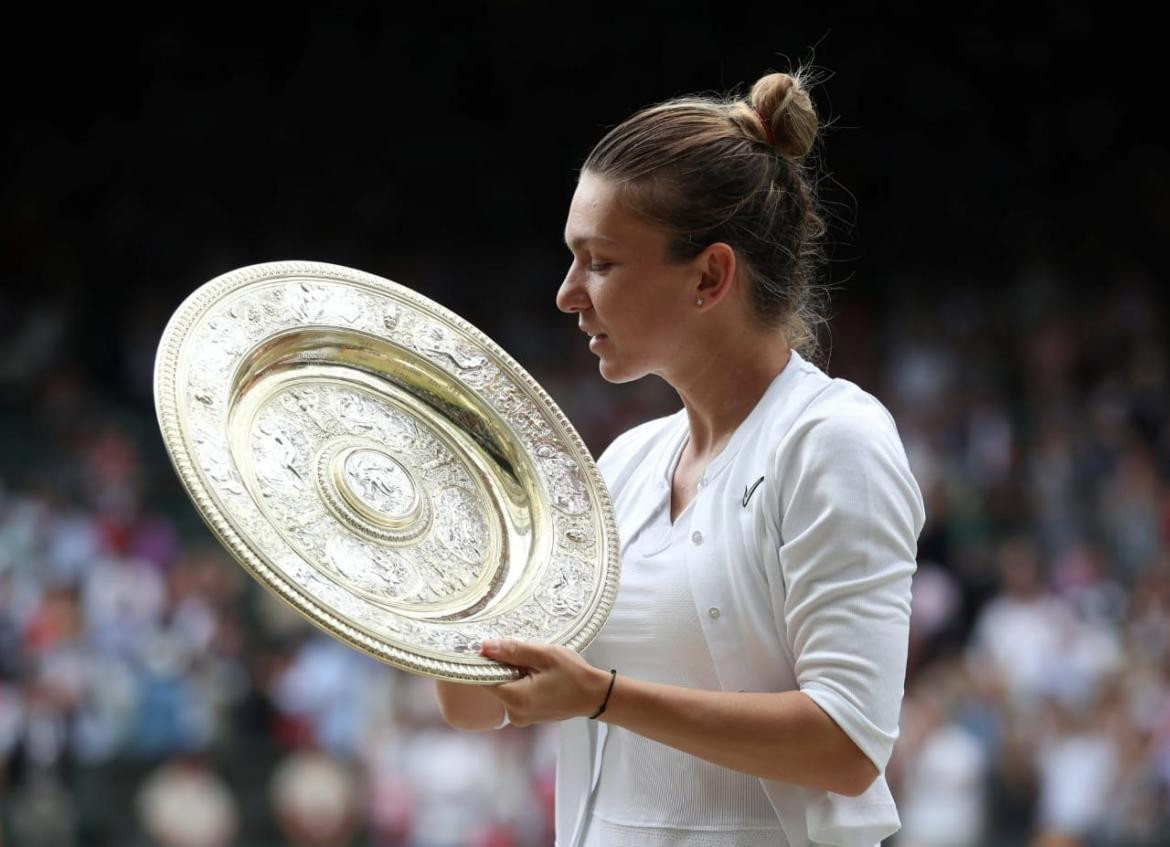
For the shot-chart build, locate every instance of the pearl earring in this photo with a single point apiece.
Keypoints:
(699, 302)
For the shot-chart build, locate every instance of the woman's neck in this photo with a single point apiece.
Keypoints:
(720, 391)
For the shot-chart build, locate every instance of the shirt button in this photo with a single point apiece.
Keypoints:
(697, 537)
(713, 612)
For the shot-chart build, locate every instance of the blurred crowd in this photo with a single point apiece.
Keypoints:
(152, 694)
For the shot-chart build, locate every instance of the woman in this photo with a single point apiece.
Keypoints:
(746, 687)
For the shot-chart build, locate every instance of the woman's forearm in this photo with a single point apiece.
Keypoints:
(782, 736)
(468, 707)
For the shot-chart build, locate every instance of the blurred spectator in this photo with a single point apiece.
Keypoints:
(316, 800)
(942, 768)
(183, 804)
(138, 663)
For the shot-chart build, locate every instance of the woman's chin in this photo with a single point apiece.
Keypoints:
(608, 372)
(611, 372)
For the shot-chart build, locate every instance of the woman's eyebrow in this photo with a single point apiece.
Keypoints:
(581, 241)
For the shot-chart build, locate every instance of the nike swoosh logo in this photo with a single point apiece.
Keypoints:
(748, 492)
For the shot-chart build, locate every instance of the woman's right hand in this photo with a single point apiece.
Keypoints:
(467, 706)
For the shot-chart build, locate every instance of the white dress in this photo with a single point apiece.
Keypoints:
(651, 794)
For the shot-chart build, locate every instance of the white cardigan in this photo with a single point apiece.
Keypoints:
(806, 586)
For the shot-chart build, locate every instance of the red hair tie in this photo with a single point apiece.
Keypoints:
(767, 125)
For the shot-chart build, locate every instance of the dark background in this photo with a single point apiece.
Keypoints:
(999, 195)
(149, 155)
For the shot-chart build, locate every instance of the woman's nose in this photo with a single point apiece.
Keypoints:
(571, 296)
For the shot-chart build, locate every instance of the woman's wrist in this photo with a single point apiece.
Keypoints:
(603, 684)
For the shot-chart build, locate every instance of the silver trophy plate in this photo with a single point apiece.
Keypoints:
(384, 467)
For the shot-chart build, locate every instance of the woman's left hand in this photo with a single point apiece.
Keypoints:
(558, 684)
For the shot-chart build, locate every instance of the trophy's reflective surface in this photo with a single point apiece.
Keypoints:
(384, 467)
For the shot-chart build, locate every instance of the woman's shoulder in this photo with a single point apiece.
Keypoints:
(846, 402)
(845, 444)
(838, 415)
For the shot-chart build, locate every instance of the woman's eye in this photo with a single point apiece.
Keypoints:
(600, 266)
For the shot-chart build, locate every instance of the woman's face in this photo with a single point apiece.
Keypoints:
(634, 304)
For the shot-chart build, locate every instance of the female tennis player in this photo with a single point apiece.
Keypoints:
(746, 686)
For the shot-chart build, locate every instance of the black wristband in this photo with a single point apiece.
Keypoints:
(612, 679)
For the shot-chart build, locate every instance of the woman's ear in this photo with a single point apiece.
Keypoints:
(717, 271)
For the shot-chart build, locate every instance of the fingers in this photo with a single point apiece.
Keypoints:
(513, 652)
(516, 699)
(508, 693)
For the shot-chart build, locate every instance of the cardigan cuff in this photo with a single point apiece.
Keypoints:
(873, 742)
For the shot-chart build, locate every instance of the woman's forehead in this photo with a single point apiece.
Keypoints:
(597, 214)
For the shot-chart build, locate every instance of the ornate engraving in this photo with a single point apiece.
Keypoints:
(383, 507)
(565, 595)
(380, 483)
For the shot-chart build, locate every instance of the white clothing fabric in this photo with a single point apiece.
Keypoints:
(604, 833)
(803, 543)
(653, 634)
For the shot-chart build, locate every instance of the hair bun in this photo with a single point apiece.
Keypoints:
(782, 99)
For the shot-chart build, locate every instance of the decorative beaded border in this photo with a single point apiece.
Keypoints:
(169, 411)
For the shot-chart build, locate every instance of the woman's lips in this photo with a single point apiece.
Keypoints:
(596, 341)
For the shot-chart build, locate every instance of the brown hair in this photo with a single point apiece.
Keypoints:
(703, 167)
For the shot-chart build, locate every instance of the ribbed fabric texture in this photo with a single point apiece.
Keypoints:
(650, 793)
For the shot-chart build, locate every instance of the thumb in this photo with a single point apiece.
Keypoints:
(513, 652)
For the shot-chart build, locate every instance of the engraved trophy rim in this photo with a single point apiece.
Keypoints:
(235, 349)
